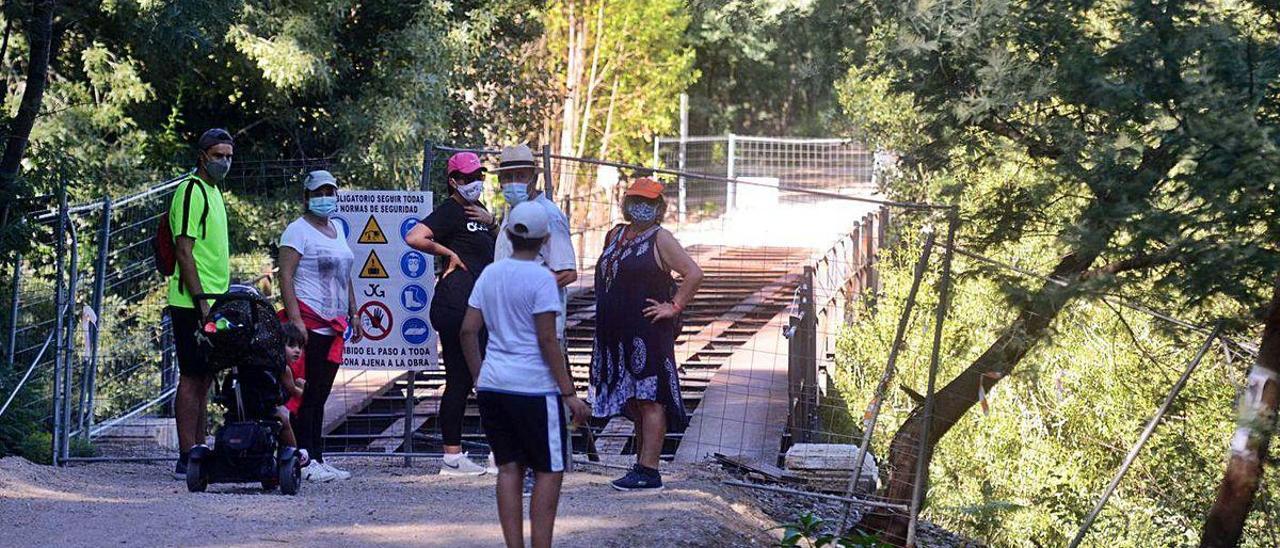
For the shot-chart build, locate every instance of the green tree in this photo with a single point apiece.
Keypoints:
(619, 67)
(1148, 131)
(768, 67)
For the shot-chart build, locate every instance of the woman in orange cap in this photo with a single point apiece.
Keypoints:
(638, 304)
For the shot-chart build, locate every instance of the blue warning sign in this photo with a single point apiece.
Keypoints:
(413, 264)
(415, 331)
(413, 298)
(406, 226)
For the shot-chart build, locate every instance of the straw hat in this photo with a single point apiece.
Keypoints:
(516, 157)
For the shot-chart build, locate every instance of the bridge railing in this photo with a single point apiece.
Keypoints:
(818, 308)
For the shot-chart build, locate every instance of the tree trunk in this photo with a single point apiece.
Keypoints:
(1098, 223)
(39, 36)
(958, 396)
(575, 56)
(1257, 422)
(590, 83)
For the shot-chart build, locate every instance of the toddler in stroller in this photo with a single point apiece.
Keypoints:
(256, 442)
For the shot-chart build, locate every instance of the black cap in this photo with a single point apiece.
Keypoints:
(215, 136)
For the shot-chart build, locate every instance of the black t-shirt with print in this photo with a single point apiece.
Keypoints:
(471, 240)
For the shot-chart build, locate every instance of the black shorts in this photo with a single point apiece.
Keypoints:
(529, 430)
(192, 359)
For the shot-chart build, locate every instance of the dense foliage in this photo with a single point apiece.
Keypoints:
(1126, 149)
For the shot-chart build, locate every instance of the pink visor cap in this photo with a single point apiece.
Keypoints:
(464, 162)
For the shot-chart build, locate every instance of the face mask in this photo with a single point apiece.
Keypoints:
(471, 191)
(641, 212)
(218, 168)
(515, 192)
(323, 206)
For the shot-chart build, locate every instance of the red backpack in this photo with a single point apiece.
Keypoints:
(163, 248)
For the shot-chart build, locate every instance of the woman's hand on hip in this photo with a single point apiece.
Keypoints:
(657, 311)
(454, 263)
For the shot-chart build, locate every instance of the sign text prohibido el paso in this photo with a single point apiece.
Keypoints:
(393, 283)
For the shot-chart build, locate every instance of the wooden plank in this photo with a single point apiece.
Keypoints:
(744, 409)
(765, 469)
(392, 437)
(613, 439)
(353, 389)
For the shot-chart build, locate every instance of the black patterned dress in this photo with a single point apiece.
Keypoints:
(633, 357)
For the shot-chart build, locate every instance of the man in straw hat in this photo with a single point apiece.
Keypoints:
(517, 172)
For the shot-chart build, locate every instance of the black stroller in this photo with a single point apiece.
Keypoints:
(245, 340)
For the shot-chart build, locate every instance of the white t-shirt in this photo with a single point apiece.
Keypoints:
(509, 293)
(324, 271)
(556, 254)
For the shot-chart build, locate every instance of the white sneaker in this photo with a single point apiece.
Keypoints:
(492, 469)
(460, 467)
(317, 472)
(337, 472)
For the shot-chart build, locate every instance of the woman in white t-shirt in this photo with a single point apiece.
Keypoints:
(315, 283)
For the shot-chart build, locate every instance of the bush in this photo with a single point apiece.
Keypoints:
(37, 448)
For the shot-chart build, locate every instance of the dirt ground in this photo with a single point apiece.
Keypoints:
(132, 504)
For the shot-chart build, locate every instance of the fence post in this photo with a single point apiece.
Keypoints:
(59, 351)
(656, 142)
(69, 340)
(550, 191)
(926, 448)
(684, 142)
(802, 361)
(409, 404)
(731, 198)
(90, 376)
(877, 397)
(428, 161)
(168, 373)
(810, 353)
(12, 348)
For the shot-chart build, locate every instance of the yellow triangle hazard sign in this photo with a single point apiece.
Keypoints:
(372, 234)
(373, 267)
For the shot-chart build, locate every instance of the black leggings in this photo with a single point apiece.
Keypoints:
(309, 428)
(447, 310)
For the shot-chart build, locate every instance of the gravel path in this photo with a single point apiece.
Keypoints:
(122, 504)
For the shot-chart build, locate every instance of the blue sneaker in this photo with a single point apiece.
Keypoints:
(640, 478)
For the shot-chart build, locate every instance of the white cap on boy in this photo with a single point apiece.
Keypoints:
(529, 220)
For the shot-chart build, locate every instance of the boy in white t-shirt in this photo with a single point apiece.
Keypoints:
(523, 381)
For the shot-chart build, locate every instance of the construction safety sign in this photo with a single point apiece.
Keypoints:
(393, 282)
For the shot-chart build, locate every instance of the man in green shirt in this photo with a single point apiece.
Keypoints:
(198, 219)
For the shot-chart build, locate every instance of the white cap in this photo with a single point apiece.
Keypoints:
(528, 220)
(319, 178)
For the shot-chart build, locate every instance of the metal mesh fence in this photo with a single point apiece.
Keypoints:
(792, 164)
(827, 325)
(103, 368)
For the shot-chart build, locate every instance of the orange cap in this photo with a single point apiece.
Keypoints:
(645, 187)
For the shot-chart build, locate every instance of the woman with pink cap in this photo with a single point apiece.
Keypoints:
(462, 232)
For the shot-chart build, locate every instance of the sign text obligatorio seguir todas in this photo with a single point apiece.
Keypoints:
(393, 283)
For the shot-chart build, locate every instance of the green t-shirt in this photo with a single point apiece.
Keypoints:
(211, 250)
